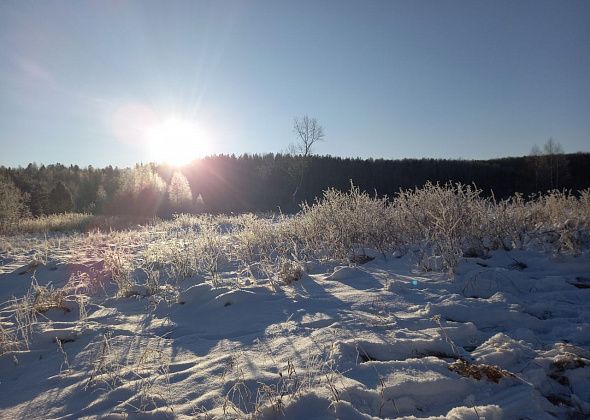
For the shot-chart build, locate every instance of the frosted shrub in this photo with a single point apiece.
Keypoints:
(257, 243)
(290, 271)
(177, 257)
(442, 223)
(197, 247)
(561, 220)
(507, 223)
(255, 238)
(441, 220)
(342, 224)
(293, 238)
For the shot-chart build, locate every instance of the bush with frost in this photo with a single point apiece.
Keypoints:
(341, 225)
(13, 204)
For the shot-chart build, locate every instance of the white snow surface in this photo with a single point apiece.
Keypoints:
(374, 341)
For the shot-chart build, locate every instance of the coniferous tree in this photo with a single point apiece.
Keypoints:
(60, 199)
(39, 199)
(266, 182)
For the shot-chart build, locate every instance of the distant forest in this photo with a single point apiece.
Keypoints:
(271, 182)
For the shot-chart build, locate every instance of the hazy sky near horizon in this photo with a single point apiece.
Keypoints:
(392, 79)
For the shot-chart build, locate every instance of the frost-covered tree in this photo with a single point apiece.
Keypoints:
(140, 178)
(12, 202)
(140, 192)
(179, 192)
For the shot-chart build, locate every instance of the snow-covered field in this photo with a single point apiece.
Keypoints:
(437, 303)
(506, 337)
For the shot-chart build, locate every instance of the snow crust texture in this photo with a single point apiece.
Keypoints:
(496, 341)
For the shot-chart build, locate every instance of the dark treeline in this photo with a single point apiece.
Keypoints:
(271, 182)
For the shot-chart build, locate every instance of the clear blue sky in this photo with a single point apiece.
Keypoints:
(393, 79)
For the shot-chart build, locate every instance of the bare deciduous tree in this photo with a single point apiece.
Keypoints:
(548, 164)
(309, 132)
(553, 150)
(537, 162)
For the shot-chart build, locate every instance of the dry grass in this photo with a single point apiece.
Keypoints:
(81, 222)
(8, 340)
(439, 224)
(249, 398)
(118, 263)
(479, 371)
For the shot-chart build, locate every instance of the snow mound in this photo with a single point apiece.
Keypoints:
(486, 282)
(502, 350)
(356, 277)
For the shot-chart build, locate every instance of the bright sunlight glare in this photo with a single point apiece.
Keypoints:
(175, 141)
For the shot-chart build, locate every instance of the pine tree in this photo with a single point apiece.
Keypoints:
(60, 199)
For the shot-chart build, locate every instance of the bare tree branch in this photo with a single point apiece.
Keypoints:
(309, 132)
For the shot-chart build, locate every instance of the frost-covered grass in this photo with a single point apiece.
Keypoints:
(438, 302)
(443, 222)
(67, 222)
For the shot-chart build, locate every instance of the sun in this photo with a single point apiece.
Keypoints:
(175, 141)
